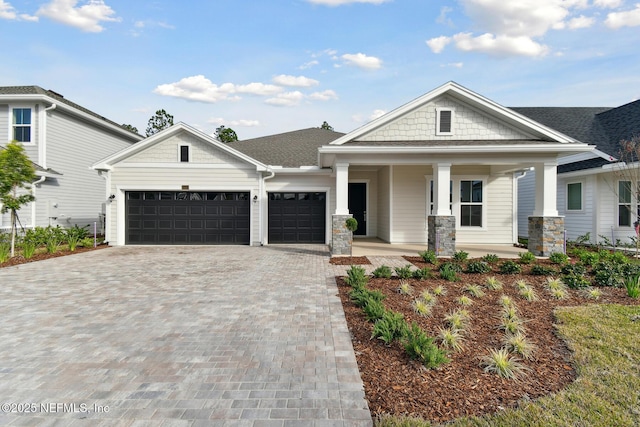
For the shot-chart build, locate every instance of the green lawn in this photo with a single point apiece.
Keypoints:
(606, 344)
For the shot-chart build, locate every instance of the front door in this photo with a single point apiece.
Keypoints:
(358, 206)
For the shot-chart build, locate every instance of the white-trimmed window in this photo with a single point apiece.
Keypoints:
(444, 121)
(574, 196)
(471, 203)
(184, 153)
(21, 123)
(624, 204)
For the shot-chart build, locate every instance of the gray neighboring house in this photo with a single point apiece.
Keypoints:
(63, 140)
(587, 192)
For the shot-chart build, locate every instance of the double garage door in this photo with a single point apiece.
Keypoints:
(220, 218)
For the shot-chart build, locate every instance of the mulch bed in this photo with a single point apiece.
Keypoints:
(17, 260)
(350, 260)
(395, 384)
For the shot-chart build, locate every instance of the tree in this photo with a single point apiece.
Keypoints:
(161, 120)
(226, 135)
(16, 172)
(627, 186)
(326, 126)
(130, 128)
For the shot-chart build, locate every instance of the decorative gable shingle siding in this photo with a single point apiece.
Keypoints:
(167, 152)
(468, 124)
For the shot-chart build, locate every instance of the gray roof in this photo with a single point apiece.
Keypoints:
(37, 90)
(290, 149)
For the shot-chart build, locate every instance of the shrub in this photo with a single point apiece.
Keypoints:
(74, 235)
(607, 273)
(558, 258)
(356, 276)
(526, 257)
(490, 258)
(421, 347)
(422, 308)
(404, 272)
(54, 238)
(589, 258)
(373, 309)
(632, 284)
(449, 271)
(460, 256)
(478, 267)
(575, 281)
(390, 327)
(28, 248)
(88, 242)
(510, 267)
(475, 291)
(439, 290)
(405, 288)
(361, 295)
(422, 274)
(503, 364)
(577, 269)
(519, 344)
(451, 339)
(541, 270)
(428, 257)
(493, 283)
(382, 272)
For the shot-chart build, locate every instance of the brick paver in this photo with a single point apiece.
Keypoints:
(178, 336)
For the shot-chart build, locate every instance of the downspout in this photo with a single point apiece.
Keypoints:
(43, 138)
(107, 208)
(262, 204)
(515, 225)
(33, 204)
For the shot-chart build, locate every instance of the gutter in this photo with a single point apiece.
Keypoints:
(33, 204)
(262, 204)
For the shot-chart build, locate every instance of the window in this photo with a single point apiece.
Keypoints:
(431, 196)
(444, 119)
(624, 203)
(184, 153)
(471, 203)
(574, 196)
(22, 124)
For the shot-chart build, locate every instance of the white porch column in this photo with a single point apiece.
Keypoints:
(342, 188)
(441, 178)
(546, 189)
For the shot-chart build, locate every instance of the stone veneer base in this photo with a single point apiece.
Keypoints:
(546, 235)
(341, 237)
(442, 234)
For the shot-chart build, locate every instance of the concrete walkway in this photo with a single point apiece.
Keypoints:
(178, 336)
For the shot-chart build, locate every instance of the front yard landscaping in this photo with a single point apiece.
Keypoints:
(498, 336)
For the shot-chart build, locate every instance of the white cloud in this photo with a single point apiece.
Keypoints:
(308, 64)
(361, 118)
(608, 3)
(453, 65)
(216, 120)
(437, 44)
(326, 95)
(199, 88)
(442, 18)
(341, 2)
(630, 18)
(501, 45)
(362, 61)
(9, 12)
(300, 81)
(86, 17)
(287, 99)
(377, 114)
(241, 123)
(580, 22)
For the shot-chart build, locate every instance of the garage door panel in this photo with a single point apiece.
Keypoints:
(187, 218)
(297, 217)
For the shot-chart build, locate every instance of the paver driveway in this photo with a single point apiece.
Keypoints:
(178, 336)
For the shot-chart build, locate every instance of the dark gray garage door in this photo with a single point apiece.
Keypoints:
(187, 218)
(297, 217)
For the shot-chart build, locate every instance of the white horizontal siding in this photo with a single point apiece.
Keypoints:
(577, 222)
(408, 204)
(526, 202)
(384, 204)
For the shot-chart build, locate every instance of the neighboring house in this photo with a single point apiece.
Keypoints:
(439, 170)
(63, 139)
(589, 195)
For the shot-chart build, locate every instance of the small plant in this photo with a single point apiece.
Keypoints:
(593, 293)
(510, 267)
(422, 308)
(356, 276)
(28, 248)
(510, 312)
(75, 235)
(460, 256)
(382, 272)
(512, 326)
(502, 363)
(429, 257)
(632, 284)
(457, 319)
(475, 291)
(491, 258)
(451, 339)
(439, 290)
(521, 284)
(5, 251)
(421, 347)
(478, 267)
(575, 281)
(526, 257)
(519, 344)
(422, 273)
(464, 301)
(361, 295)
(88, 242)
(528, 293)
(405, 288)
(449, 272)
(558, 293)
(374, 310)
(55, 237)
(554, 283)
(391, 327)
(558, 258)
(541, 270)
(428, 297)
(493, 283)
(404, 272)
(505, 301)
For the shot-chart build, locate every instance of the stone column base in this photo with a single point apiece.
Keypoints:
(341, 237)
(442, 234)
(546, 235)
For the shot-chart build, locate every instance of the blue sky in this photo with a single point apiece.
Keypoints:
(265, 67)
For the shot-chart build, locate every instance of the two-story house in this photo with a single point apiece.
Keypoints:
(63, 139)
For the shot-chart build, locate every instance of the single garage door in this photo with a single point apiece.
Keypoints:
(187, 218)
(297, 217)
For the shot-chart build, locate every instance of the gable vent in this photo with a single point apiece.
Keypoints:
(445, 121)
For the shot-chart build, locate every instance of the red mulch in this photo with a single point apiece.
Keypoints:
(42, 256)
(349, 260)
(394, 384)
